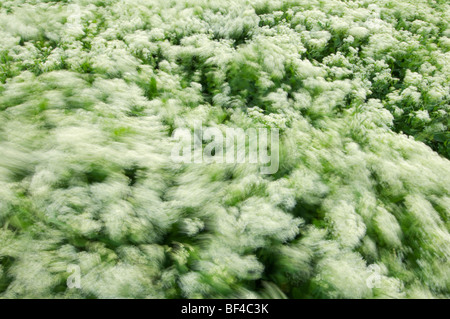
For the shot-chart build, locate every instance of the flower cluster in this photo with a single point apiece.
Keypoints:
(91, 91)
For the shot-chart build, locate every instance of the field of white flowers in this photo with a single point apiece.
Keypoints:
(91, 91)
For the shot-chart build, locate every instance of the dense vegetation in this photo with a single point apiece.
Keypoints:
(91, 92)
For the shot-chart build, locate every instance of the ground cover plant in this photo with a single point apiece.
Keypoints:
(91, 92)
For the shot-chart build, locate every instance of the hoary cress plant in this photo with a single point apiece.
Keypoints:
(91, 92)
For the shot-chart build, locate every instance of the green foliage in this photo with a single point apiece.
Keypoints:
(91, 91)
